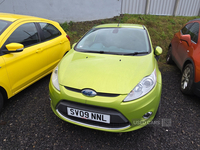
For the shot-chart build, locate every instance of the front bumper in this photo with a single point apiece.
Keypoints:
(125, 116)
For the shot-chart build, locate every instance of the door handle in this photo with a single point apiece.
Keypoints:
(39, 50)
(61, 42)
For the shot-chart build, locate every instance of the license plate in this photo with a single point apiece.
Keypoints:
(88, 115)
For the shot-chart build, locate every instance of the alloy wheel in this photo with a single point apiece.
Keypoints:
(185, 78)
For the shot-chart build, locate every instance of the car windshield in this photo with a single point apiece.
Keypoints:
(124, 41)
(3, 25)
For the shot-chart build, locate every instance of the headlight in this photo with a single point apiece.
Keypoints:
(143, 87)
(54, 78)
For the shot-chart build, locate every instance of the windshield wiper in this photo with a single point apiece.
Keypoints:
(116, 53)
(136, 53)
(101, 52)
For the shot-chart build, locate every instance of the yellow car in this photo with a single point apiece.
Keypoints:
(30, 48)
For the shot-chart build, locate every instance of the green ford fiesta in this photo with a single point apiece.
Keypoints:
(109, 80)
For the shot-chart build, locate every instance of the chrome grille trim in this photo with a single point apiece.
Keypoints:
(98, 93)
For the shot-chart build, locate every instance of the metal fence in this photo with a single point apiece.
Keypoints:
(162, 7)
(87, 10)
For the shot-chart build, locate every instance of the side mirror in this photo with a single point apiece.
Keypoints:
(14, 48)
(158, 51)
(73, 45)
(186, 38)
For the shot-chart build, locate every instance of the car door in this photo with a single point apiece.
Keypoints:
(185, 50)
(23, 67)
(178, 46)
(54, 45)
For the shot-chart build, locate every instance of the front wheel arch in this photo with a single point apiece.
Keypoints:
(3, 97)
(188, 61)
(3, 92)
(169, 59)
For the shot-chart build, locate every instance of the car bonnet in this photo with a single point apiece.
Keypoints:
(117, 74)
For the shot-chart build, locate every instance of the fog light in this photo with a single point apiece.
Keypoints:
(147, 115)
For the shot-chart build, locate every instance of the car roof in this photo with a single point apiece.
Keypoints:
(120, 25)
(15, 17)
(198, 19)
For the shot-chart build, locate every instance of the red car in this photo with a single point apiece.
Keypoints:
(184, 51)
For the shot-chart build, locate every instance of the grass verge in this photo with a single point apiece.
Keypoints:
(161, 28)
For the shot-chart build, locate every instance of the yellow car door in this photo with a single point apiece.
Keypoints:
(54, 45)
(4, 81)
(23, 68)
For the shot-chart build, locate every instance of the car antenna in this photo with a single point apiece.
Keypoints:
(120, 13)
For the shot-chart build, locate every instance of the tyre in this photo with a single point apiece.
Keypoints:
(187, 79)
(169, 56)
(1, 102)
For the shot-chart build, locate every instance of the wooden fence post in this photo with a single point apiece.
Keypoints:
(147, 7)
(199, 12)
(175, 7)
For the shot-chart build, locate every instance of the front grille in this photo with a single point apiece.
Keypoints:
(117, 120)
(98, 93)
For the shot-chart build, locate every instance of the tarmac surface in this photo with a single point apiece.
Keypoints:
(27, 122)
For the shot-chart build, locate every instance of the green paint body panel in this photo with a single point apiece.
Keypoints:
(108, 73)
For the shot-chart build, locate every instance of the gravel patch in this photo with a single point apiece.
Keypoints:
(27, 122)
